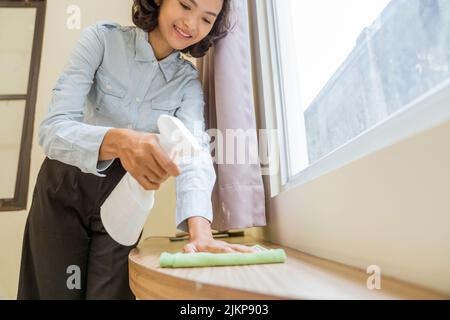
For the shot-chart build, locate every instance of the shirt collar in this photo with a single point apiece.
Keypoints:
(144, 52)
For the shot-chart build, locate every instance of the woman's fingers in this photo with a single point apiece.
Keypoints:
(153, 184)
(147, 184)
(229, 250)
(215, 246)
(164, 161)
(155, 173)
(189, 248)
(146, 161)
(238, 248)
(157, 167)
(219, 249)
(242, 248)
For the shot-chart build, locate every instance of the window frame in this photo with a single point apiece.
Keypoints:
(426, 112)
(19, 202)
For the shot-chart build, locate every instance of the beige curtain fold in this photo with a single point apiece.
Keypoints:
(226, 73)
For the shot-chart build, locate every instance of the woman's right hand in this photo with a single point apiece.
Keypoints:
(141, 155)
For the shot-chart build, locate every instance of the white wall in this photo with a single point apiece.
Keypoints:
(58, 43)
(390, 209)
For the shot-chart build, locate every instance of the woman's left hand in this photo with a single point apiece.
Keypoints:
(209, 244)
(202, 240)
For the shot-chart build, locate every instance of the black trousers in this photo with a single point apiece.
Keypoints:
(67, 253)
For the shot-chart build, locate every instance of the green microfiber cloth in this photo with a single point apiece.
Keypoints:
(206, 259)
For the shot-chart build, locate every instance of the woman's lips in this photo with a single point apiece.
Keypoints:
(181, 34)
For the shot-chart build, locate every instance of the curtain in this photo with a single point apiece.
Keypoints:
(226, 73)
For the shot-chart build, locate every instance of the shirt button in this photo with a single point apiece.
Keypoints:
(109, 87)
(138, 99)
(155, 63)
(130, 126)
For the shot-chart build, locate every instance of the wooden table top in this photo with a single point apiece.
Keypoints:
(301, 277)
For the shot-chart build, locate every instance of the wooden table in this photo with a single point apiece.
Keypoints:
(301, 277)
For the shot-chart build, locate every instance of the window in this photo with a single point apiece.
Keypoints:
(344, 68)
(21, 32)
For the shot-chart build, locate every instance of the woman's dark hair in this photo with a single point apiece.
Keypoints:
(145, 16)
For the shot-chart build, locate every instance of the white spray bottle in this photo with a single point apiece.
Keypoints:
(127, 208)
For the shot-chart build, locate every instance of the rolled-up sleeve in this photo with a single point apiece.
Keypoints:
(195, 183)
(62, 134)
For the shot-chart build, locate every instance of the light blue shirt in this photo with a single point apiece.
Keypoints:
(113, 79)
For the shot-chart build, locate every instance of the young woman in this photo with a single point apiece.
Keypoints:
(102, 124)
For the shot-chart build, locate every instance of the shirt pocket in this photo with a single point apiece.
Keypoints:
(110, 93)
(155, 109)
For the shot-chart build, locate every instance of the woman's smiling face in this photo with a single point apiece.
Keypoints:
(184, 23)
